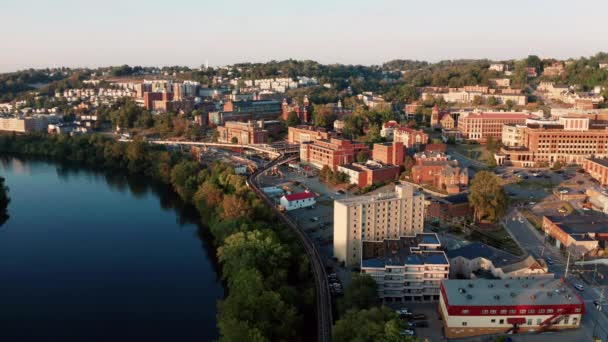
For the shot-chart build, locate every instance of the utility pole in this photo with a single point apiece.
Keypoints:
(567, 266)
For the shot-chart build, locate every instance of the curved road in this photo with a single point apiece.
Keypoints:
(324, 309)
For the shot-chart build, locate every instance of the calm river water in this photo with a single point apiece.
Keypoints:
(87, 256)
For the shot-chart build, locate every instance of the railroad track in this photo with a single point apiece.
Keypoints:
(324, 304)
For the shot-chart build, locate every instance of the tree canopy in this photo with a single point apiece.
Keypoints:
(487, 196)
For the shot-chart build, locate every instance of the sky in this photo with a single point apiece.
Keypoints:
(84, 33)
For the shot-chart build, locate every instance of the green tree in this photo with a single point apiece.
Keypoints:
(375, 324)
(293, 119)
(487, 197)
(258, 249)
(184, 179)
(362, 156)
(361, 293)
(492, 101)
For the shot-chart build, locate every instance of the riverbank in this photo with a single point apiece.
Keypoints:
(270, 293)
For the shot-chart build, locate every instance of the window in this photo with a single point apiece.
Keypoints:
(493, 321)
(512, 312)
(566, 319)
(484, 312)
(522, 311)
(539, 321)
(502, 321)
(493, 312)
(464, 312)
(531, 311)
(464, 324)
(503, 311)
(549, 310)
(541, 311)
(529, 321)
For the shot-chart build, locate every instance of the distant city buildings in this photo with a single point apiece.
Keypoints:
(481, 126)
(470, 94)
(375, 218)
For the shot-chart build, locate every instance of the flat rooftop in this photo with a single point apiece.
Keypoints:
(576, 224)
(509, 292)
(405, 251)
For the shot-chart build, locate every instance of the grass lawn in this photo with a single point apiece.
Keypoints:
(475, 152)
(498, 238)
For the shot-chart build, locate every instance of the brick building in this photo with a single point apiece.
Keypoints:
(333, 152)
(302, 110)
(244, 132)
(437, 170)
(449, 209)
(598, 169)
(410, 137)
(571, 141)
(578, 234)
(481, 126)
(304, 133)
(370, 172)
(389, 153)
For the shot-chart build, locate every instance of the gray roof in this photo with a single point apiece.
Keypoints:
(509, 292)
(405, 251)
(475, 250)
(576, 224)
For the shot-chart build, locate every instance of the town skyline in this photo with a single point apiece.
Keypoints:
(190, 33)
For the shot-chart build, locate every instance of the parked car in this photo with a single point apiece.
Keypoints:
(563, 191)
(404, 312)
(407, 332)
(314, 219)
(419, 324)
(579, 287)
(549, 260)
(419, 316)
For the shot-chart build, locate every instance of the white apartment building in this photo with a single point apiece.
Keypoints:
(407, 269)
(375, 218)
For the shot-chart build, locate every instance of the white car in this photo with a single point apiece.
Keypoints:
(579, 287)
(404, 312)
(563, 191)
(407, 332)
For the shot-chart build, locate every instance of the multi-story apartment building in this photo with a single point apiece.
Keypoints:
(597, 168)
(481, 307)
(571, 141)
(250, 132)
(481, 126)
(333, 152)
(410, 137)
(375, 218)
(304, 133)
(410, 268)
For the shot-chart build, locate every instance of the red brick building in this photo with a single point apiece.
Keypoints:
(150, 99)
(449, 209)
(302, 111)
(437, 170)
(364, 174)
(410, 137)
(575, 140)
(597, 168)
(243, 132)
(389, 153)
(481, 126)
(333, 152)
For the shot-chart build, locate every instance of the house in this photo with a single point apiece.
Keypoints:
(297, 201)
(435, 169)
(478, 260)
(447, 121)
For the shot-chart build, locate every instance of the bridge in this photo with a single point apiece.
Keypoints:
(272, 150)
(323, 294)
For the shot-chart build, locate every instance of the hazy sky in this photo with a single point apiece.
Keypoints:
(45, 33)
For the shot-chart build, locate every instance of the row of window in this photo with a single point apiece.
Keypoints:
(521, 311)
(529, 321)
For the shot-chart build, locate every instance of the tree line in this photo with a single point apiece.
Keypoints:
(270, 291)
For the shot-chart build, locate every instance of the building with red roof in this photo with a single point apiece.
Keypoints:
(298, 200)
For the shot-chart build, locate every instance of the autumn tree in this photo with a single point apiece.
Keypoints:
(487, 197)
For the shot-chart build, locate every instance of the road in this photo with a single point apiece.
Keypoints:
(533, 242)
(324, 304)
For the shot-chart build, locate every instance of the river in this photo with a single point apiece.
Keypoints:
(90, 256)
